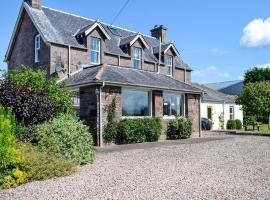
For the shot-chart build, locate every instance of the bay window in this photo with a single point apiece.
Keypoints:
(137, 54)
(173, 104)
(37, 48)
(95, 50)
(135, 102)
(169, 65)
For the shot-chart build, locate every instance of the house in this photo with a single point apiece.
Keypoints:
(219, 107)
(100, 62)
(228, 87)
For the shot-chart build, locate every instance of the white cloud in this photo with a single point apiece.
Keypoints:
(240, 77)
(211, 71)
(256, 33)
(216, 51)
(267, 65)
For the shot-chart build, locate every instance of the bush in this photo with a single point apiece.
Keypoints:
(238, 124)
(138, 130)
(37, 81)
(29, 106)
(44, 165)
(67, 137)
(231, 124)
(179, 128)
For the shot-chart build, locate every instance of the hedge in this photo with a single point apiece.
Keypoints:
(179, 128)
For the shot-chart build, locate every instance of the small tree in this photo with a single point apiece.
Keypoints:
(221, 120)
(257, 75)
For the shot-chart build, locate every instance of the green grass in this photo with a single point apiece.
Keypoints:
(263, 127)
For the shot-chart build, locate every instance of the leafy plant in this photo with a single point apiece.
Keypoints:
(257, 75)
(179, 128)
(67, 137)
(238, 124)
(231, 124)
(221, 120)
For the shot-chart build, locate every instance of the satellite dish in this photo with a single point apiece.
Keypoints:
(58, 68)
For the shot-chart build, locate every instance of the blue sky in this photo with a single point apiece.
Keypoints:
(207, 33)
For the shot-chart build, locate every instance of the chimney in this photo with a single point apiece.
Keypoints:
(160, 32)
(34, 3)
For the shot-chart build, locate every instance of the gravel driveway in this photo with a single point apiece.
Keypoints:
(232, 167)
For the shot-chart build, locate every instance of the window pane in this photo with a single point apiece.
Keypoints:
(135, 103)
(95, 44)
(173, 104)
(169, 64)
(94, 57)
(137, 64)
(137, 58)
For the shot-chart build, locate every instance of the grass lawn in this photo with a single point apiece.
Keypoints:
(263, 129)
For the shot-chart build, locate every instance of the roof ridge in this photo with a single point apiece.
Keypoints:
(86, 18)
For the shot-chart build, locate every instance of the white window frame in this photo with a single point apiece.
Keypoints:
(78, 97)
(184, 106)
(137, 59)
(233, 112)
(37, 48)
(169, 64)
(149, 102)
(94, 50)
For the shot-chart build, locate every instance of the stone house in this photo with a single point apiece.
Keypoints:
(100, 62)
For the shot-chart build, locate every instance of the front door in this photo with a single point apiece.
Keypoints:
(209, 113)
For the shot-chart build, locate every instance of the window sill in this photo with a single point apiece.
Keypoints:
(135, 117)
(169, 117)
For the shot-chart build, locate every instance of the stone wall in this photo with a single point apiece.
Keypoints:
(193, 110)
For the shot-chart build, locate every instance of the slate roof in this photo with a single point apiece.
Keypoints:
(61, 28)
(212, 95)
(228, 87)
(127, 76)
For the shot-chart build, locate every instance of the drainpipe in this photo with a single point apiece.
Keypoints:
(68, 60)
(100, 115)
(200, 122)
(223, 114)
(159, 55)
(119, 60)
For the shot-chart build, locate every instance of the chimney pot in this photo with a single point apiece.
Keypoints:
(160, 32)
(34, 3)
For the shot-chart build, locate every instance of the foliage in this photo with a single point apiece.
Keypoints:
(29, 106)
(238, 124)
(255, 99)
(179, 128)
(257, 75)
(44, 165)
(66, 136)
(221, 120)
(138, 130)
(231, 124)
(110, 130)
(37, 81)
(11, 159)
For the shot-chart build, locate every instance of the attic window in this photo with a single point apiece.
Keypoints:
(114, 31)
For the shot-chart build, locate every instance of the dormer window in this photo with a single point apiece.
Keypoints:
(169, 65)
(95, 50)
(37, 48)
(137, 54)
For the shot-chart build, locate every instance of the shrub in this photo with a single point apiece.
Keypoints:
(44, 165)
(65, 136)
(37, 81)
(231, 124)
(29, 106)
(238, 124)
(138, 130)
(179, 128)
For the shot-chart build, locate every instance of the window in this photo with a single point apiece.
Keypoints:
(135, 102)
(209, 112)
(114, 31)
(231, 112)
(137, 58)
(37, 48)
(173, 104)
(95, 50)
(169, 65)
(75, 98)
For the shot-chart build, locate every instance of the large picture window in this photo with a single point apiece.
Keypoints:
(135, 102)
(173, 104)
(37, 48)
(137, 54)
(169, 65)
(95, 50)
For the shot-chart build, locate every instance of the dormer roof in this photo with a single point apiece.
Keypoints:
(130, 40)
(89, 28)
(165, 48)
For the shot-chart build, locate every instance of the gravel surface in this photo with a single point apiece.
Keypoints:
(237, 167)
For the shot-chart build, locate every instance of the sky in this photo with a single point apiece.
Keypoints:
(220, 40)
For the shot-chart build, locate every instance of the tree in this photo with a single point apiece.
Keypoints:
(255, 99)
(256, 75)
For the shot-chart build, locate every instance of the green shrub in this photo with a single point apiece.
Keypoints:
(238, 124)
(67, 137)
(231, 124)
(179, 128)
(42, 165)
(138, 130)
